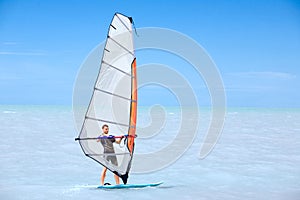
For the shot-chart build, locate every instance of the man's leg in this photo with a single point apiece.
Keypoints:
(117, 179)
(103, 174)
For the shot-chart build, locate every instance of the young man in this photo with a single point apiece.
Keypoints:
(108, 146)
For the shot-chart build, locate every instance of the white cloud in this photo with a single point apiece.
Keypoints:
(264, 81)
(249, 88)
(266, 74)
(22, 53)
(9, 43)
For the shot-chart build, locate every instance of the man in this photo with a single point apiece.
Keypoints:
(107, 143)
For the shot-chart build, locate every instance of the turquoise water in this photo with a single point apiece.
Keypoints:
(256, 157)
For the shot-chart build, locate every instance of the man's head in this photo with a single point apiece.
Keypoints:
(105, 128)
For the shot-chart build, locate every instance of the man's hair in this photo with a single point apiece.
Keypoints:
(104, 125)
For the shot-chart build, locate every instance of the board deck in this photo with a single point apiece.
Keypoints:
(122, 186)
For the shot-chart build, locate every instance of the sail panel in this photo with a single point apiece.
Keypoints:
(109, 108)
(114, 81)
(121, 24)
(118, 53)
(94, 149)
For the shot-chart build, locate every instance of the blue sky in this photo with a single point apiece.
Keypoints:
(255, 45)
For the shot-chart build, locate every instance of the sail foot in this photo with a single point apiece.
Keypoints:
(124, 178)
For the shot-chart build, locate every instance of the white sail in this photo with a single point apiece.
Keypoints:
(114, 99)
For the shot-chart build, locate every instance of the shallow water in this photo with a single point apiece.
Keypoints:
(256, 157)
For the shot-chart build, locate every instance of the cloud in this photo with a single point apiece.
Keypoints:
(22, 53)
(9, 43)
(264, 81)
(249, 88)
(265, 75)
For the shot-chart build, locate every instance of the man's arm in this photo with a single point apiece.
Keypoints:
(118, 140)
(99, 138)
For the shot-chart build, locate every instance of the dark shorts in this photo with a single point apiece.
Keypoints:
(112, 159)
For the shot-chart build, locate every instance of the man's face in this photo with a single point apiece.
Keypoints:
(105, 129)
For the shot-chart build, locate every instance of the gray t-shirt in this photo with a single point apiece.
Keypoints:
(107, 144)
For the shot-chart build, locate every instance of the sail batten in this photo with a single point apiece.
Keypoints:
(113, 26)
(107, 121)
(100, 90)
(116, 68)
(113, 101)
(128, 50)
(107, 154)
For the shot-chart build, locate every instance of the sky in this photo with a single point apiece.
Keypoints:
(254, 44)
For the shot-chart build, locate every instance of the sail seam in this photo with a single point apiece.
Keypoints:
(121, 45)
(106, 92)
(107, 121)
(91, 154)
(116, 68)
